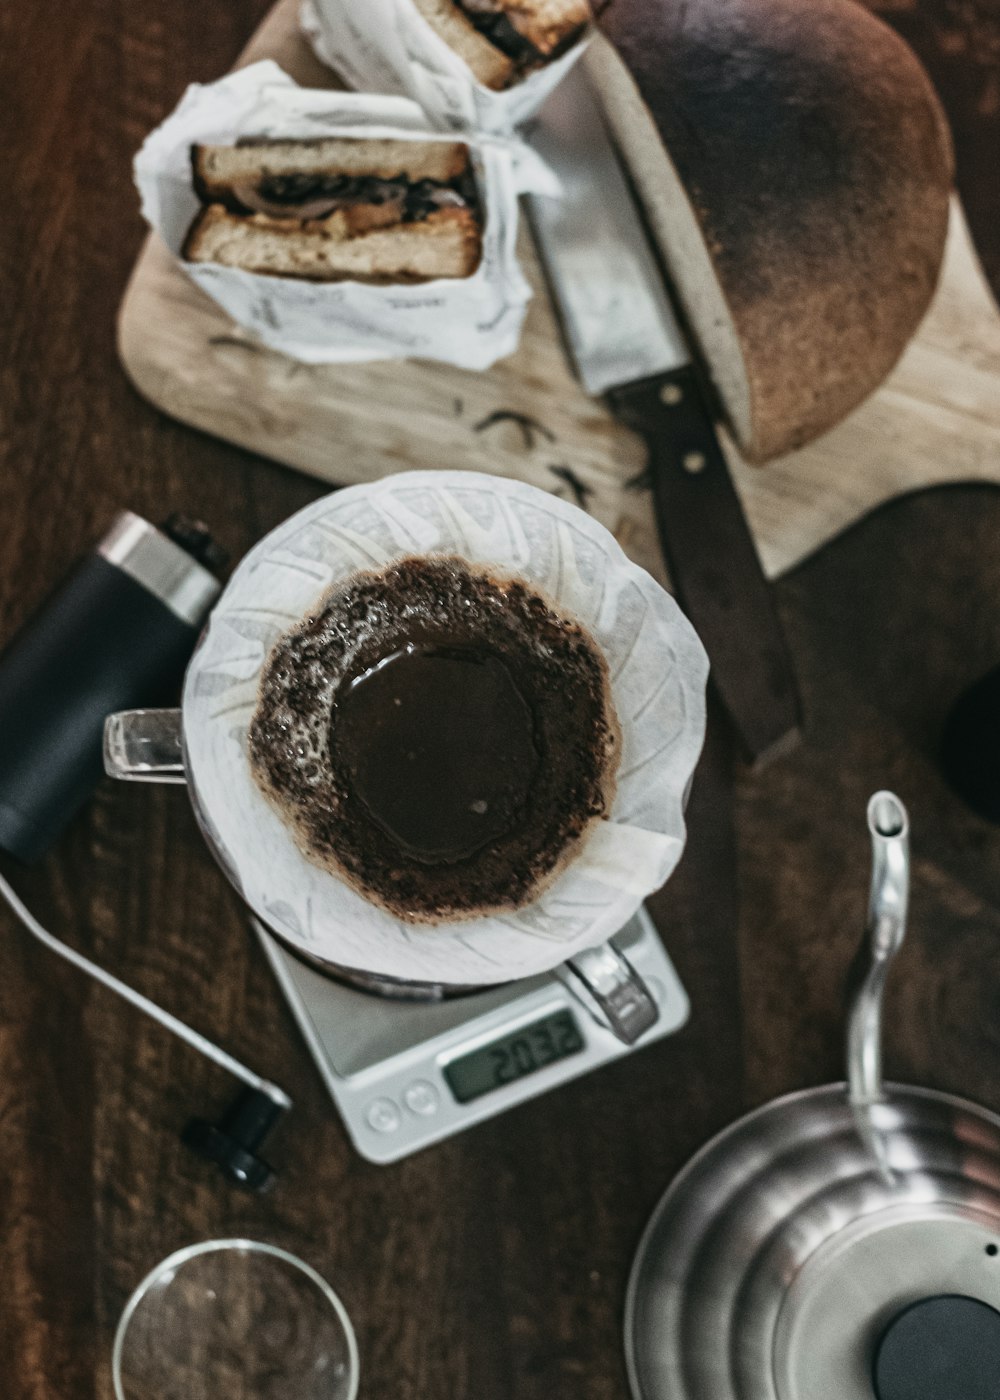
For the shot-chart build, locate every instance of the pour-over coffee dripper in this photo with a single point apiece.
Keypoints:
(657, 670)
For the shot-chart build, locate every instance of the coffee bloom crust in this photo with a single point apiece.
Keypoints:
(439, 736)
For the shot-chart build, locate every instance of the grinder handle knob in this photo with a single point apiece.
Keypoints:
(232, 1142)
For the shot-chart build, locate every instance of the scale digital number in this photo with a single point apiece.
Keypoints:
(511, 1057)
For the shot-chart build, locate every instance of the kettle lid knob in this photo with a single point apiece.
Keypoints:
(941, 1348)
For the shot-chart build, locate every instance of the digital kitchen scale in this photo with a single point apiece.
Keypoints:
(407, 1074)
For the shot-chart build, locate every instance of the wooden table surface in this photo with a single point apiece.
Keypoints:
(494, 1265)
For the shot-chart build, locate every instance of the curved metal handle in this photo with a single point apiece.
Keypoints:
(144, 746)
(625, 1004)
(886, 928)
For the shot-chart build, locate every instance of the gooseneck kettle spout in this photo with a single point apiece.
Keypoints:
(886, 928)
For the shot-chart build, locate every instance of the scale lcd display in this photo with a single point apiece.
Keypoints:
(513, 1056)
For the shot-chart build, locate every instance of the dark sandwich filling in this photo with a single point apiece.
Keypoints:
(303, 196)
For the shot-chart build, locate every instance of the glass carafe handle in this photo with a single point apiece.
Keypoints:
(624, 1003)
(144, 746)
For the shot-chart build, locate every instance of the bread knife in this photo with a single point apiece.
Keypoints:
(627, 345)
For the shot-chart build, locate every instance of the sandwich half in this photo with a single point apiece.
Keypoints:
(503, 40)
(337, 209)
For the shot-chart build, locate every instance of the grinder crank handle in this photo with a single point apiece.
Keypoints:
(712, 559)
(884, 933)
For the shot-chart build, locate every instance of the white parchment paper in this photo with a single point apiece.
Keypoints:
(388, 46)
(658, 669)
(471, 321)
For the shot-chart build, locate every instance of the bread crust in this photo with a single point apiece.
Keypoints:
(447, 243)
(216, 169)
(489, 66)
(548, 24)
(817, 162)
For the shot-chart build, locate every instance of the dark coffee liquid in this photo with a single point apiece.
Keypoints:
(441, 738)
(440, 746)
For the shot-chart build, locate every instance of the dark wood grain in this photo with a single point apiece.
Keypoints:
(493, 1265)
(959, 42)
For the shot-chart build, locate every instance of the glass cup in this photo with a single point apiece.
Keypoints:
(234, 1320)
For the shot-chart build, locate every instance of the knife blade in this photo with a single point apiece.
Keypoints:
(627, 344)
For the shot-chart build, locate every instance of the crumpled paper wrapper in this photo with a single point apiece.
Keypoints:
(470, 322)
(658, 669)
(388, 46)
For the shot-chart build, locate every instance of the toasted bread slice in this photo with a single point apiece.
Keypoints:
(447, 243)
(218, 169)
(546, 24)
(489, 65)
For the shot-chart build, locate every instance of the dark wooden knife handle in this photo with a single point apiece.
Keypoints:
(712, 558)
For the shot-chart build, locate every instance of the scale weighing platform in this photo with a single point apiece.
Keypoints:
(407, 1074)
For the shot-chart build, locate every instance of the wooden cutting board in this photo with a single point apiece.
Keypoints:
(935, 420)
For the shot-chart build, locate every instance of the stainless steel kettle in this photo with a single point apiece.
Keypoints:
(842, 1243)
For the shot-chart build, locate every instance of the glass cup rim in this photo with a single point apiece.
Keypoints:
(192, 1251)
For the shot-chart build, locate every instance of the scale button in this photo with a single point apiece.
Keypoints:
(383, 1116)
(422, 1097)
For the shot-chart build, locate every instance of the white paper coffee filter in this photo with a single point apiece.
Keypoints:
(469, 321)
(658, 669)
(388, 46)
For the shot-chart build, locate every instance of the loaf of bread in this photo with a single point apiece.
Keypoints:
(331, 209)
(796, 166)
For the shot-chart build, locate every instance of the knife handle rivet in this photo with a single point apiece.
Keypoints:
(671, 394)
(693, 461)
